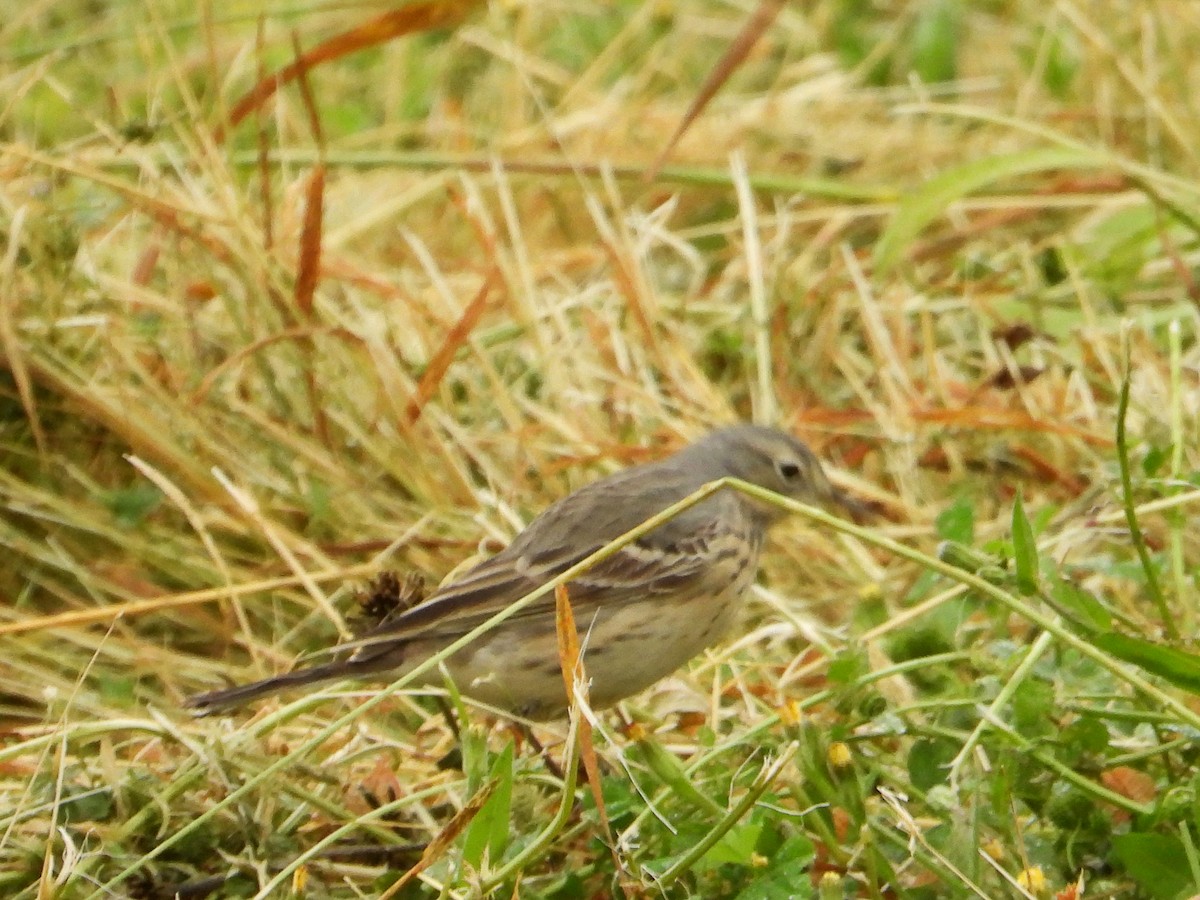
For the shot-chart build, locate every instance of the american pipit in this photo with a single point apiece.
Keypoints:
(642, 612)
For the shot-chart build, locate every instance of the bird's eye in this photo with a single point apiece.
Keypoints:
(789, 471)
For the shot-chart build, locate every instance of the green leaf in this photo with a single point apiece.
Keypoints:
(929, 761)
(320, 500)
(1025, 557)
(1176, 666)
(1083, 737)
(473, 744)
(963, 557)
(847, 667)
(736, 846)
(79, 804)
(935, 41)
(1061, 63)
(1157, 862)
(1053, 266)
(118, 690)
(131, 505)
(957, 522)
(786, 874)
(1156, 457)
(1118, 247)
(923, 205)
(667, 768)
(1068, 807)
(1080, 606)
(1034, 708)
(489, 829)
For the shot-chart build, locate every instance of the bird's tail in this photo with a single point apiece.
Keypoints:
(215, 701)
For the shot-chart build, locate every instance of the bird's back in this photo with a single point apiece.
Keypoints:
(566, 533)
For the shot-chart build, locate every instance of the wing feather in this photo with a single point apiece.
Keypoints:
(630, 574)
(670, 558)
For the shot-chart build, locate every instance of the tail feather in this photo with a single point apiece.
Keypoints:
(215, 701)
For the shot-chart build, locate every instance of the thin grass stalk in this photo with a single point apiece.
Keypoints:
(1131, 519)
(764, 780)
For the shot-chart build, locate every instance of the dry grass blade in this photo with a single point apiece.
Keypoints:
(764, 14)
(300, 335)
(308, 266)
(130, 609)
(445, 838)
(9, 344)
(569, 657)
(438, 365)
(570, 660)
(265, 194)
(411, 19)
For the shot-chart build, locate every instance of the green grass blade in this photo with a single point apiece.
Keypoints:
(928, 202)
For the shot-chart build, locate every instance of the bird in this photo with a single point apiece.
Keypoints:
(642, 612)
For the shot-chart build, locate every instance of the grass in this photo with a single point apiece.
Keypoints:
(951, 246)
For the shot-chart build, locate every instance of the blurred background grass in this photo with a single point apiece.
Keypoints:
(918, 235)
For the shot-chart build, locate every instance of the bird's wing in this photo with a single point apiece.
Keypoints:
(665, 560)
